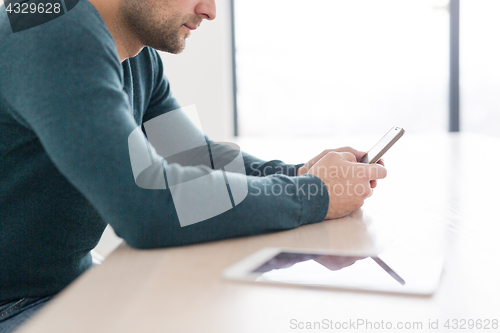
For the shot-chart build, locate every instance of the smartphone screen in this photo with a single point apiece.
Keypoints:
(383, 145)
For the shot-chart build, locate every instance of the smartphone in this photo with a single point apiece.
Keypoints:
(383, 145)
(391, 271)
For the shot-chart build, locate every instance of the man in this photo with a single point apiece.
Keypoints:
(72, 90)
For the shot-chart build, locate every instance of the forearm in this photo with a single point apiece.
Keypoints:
(273, 203)
(211, 204)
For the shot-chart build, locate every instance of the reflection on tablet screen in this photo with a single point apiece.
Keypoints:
(336, 270)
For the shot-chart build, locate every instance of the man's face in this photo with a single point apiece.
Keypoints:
(165, 24)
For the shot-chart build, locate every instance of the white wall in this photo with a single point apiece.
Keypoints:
(202, 74)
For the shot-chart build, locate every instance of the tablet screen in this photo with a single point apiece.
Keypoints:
(385, 272)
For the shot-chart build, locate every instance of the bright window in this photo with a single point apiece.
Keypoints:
(326, 67)
(480, 66)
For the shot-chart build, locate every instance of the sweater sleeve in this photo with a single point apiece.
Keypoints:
(73, 100)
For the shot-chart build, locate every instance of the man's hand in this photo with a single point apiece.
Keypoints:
(357, 153)
(303, 169)
(348, 182)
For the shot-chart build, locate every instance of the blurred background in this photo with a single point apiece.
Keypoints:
(283, 68)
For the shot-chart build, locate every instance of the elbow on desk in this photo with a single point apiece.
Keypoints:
(143, 240)
(145, 237)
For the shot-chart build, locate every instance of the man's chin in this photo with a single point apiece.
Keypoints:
(182, 45)
(174, 49)
(178, 49)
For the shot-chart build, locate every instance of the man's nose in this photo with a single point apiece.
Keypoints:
(206, 9)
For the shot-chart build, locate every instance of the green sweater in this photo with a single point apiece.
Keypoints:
(67, 108)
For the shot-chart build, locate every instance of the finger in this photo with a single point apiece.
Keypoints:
(321, 167)
(315, 159)
(302, 170)
(381, 162)
(366, 190)
(353, 151)
(376, 171)
(373, 183)
(358, 154)
(370, 171)
(348, 156)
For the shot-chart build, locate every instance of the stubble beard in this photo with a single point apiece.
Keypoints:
(164, 35)
(168, 39)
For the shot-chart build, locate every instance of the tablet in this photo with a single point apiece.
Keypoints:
(391, 271)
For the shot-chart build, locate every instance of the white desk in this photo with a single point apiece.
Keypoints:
(441, 196)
